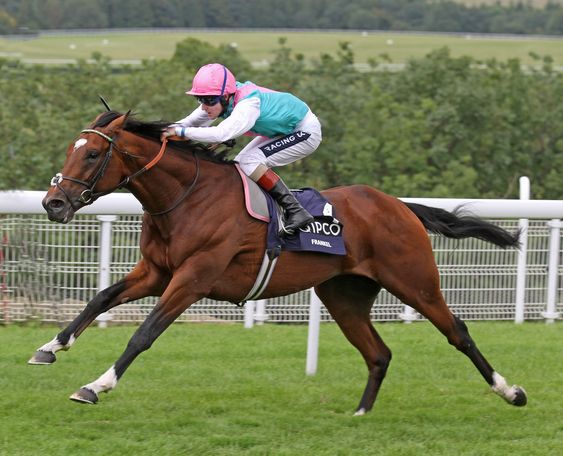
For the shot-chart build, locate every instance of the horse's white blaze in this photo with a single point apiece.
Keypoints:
(54, 346)
(105, 383)
(79, 143)
(502, 389)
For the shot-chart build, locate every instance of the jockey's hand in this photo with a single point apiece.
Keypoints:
(171, 133)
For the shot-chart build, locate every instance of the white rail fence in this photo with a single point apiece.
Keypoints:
(50, 271)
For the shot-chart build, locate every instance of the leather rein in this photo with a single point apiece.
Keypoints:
(88, 196)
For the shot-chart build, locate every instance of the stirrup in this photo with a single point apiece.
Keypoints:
(284, 232)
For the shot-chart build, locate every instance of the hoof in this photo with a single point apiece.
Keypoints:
(360, 412)
(42, 357)
(85, 396)
(520, 399)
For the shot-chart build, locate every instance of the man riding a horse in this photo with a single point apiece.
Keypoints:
(287, 131)
(188, 253)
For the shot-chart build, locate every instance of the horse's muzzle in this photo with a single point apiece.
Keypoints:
(58, 210)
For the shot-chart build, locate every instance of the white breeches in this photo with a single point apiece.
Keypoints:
(282, 150)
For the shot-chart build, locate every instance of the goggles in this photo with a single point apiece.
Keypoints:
(208, 100)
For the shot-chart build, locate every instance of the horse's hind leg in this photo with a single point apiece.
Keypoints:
(418, 287)
(349, 300)
(458, 335)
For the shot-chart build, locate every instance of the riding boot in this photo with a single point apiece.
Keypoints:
(295, 215)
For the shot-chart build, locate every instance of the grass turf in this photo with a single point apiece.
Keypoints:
(258, 47)
(223, 390)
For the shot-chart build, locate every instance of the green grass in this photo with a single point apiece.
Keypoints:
(207, 389)
(258, 47)
(534, 3)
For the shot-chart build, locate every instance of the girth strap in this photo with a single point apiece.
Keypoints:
(264, 275)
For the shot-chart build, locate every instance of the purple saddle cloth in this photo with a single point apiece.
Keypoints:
(323, 235)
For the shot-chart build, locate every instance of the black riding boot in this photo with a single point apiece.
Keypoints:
(295, 215)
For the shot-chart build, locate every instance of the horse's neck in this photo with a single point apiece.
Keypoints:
(178, 172)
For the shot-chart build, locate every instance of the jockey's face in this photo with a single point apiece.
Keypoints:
(213, 110)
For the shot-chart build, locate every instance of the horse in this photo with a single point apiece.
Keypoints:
(198, 241)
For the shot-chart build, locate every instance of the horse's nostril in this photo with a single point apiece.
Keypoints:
(56, 204)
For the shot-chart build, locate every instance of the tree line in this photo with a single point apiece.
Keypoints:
(18, 16)
(443, 127)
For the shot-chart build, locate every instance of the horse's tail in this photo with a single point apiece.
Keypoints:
(458, 225)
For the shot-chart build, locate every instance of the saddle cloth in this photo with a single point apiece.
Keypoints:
(324, 235)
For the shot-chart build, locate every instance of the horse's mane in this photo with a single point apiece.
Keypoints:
(152, 130)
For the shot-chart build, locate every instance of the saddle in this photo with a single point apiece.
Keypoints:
(324, 235)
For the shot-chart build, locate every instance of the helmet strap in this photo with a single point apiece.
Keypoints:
(224, 100)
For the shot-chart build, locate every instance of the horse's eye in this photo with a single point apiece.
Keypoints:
(92, 155)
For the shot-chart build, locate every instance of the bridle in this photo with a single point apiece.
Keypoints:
(88, 196)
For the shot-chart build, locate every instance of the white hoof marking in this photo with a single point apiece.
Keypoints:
(105, 383)
(54, 346)
(508, 393)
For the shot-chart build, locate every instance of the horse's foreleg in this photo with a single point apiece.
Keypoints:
(175, 300)
(64, 340)
(139, 283)
(155, 324)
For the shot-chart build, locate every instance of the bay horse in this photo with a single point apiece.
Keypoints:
(198, 241)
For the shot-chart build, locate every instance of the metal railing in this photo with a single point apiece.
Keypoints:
(50, 271)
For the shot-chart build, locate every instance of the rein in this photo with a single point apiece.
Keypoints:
(88, 196)
(185, 194)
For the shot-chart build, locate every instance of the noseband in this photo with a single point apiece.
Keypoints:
(88, 196)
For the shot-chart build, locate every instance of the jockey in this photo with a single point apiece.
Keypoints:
(285, 129)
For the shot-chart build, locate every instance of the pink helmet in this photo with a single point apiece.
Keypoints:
(213, 79)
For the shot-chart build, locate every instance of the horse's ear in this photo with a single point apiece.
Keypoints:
(104, 102)
(118, 124)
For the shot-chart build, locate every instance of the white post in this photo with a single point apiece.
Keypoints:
(249, 314)
(105, 260)
(313, 336)
(260, 316)
(522, 256)
(553, 277)
(408, 315)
